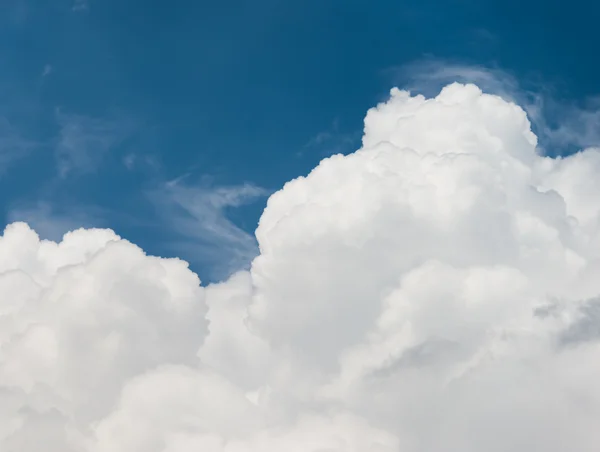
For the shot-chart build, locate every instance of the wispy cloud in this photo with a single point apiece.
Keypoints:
(80, 5)
(136, 161)
(198, 214)
(561, 126)
(53, 221)
(579, 126)
(47, 70)
(85, 141)
(429, 75)
(129, 161)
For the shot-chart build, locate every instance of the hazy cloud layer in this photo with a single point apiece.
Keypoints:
(434, 291)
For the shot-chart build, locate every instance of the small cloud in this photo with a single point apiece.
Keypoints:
(129, 161)
(47, 70)
(84, 141)
(198, 215)
(134, 161)
(80, 5)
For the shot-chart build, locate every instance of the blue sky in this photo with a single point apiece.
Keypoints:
(171, 122)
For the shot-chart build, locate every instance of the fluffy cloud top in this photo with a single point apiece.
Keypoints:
(437, 290)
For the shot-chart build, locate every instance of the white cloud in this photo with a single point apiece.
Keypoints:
(436, 291)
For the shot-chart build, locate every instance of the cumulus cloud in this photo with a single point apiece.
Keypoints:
(436, 290)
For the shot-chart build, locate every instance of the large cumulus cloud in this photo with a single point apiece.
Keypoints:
(437, 290)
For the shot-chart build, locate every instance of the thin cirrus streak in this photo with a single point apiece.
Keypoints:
(198, 215)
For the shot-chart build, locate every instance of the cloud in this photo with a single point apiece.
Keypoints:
(129, 161)
(430, 74)
(141, 162)
(47, 70)
(199, 214)
(80, 5)
(85, 141)
(434, 291)
(562, 127)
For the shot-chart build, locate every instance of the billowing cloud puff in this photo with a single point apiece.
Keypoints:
(437, 290)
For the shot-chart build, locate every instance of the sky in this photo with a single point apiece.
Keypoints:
(106, 102)
(302, 227)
